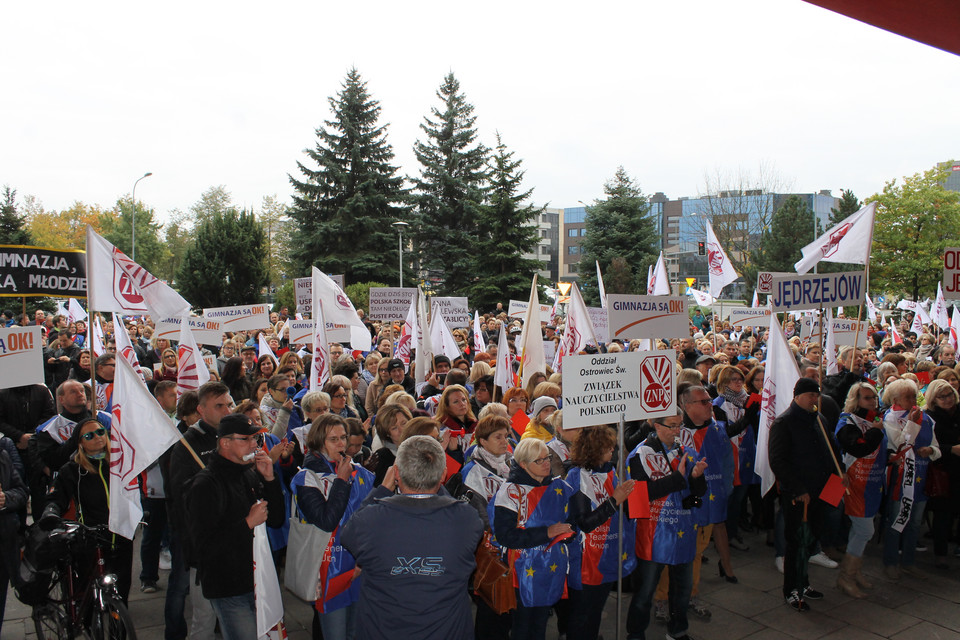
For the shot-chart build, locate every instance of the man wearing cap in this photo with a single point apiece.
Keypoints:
(236, 492)
(704, 364)
(436, 380)
(398, 375)
(248, 354)
(802, 457)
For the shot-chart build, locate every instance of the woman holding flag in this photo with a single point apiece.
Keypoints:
(328, 490)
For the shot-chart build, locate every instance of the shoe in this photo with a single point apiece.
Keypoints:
(796, 602)
(700, 609)
(921, 546)
(723, 574)
(778, 562)
(861, 580)
(165, 560)
(821, 559)
(892, 572)
(809, 593)
(149, 586)
(661, 612)
(738, 544)
(911, 570)
(746, 526)
(834, 554)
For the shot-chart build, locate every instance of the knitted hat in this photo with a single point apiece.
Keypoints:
(805, 385)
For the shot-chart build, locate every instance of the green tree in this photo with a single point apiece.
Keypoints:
(849, 205)
(227, 263)
(620, 226)
(780, 244)
(916, 221)
(177, 238)
(214, 200)
(619, 278)
(13, 225)
(273, 217)
(116, 230)
(344, 209)
(285, 297)
(507, 231)
(359, 294)
(450, 192)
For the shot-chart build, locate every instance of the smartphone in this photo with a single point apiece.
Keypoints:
(442, 378)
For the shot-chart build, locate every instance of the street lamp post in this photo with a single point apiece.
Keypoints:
(400, 226)
(133, 217)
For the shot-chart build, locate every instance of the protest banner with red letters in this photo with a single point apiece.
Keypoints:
(21, 356)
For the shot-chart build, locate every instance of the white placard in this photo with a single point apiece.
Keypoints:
(817, 290)
(303, 292)
(245, 317)
(210, 361)
(844, 331)
(647, 316)
(951, 273)
(21, 356)
(205, 330)
(518, 310)
(600, 322)
(301, 331)
(765, 280)
(750, 317)
(391, 304)
(453, 309)
(549, 350)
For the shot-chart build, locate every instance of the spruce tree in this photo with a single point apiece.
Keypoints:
(13, 226)
(849, 205)
(785, 238)
(344, 209)
(505, 234)
(449, 192)
(620, 226)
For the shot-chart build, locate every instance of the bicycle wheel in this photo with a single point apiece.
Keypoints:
(50, 622)
(113, 621)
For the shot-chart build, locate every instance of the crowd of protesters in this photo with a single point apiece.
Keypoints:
(256, 439)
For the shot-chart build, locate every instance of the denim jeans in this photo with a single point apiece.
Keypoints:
(861, 530)
(178, 586)
(892, 539)
(678, 598)
(340, 624)
(237, 616)
(153, 534)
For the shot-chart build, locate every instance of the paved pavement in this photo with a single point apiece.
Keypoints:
(926, 608)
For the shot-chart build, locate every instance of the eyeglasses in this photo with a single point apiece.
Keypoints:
(669, 426)
(258, 438)
(704, 402)
(542, 460)
(90, 435)
(339, 395)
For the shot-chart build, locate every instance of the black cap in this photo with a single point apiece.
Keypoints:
(236, 424)
(805, 385)
(83, 421)
(395, 363)
(440, 359)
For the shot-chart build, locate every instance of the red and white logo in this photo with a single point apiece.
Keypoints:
(833, 242)
(765, 282)
(123, 454)
(769, 398)
(715, 259)
(656, 373)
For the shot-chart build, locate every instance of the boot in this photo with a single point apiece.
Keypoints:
(861, 579)
(847, 580)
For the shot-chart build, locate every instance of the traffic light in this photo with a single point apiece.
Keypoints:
(701, 248)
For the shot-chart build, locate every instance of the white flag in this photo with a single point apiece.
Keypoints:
(265, 349)
(140, 432)
(779, 378)
(96, 337)
(117, 283)
(895, 337)
(532, 357)
(702, 298)
(921, 310)
(124, 346)
(478, 342)
(917, 325)
(907, 305)
(833, 367)
(661, 281)
(938, 313)
(756, 300)
(408, 334)
(954, 328)
(338, 309)
(721, 269)
(75, 312)
(603, 291)
(320, 363)
(424, 357)
(555, 309)
(650, 277)
(871, 309)
(192, 371)
(266, 586)
(503, 373)
(441, 336)
(848, 241)
(578, 332)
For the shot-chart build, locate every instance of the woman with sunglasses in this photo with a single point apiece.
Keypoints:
(530, 510)
(84, 481)
(328, 490)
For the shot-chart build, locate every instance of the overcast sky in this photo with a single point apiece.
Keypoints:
(209, 93)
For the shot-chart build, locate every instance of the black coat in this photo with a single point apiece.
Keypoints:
(23, 409)
(86, 489)
(180, 471)
(799, 456)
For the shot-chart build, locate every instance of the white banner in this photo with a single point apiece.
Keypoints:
(242, 318)
(601, 323)
(518, 309)
(453, 309)
(647, 316)
(205, 330)
(301, 331)
(794, 292)
(21, 357)
(303, 292)
(750, 317)
(390, 304)
(844, 331)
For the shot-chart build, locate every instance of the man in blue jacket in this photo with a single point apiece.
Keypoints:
(416, 551)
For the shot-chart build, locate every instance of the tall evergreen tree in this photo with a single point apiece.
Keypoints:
(227, 265)
(620, 226)
(13, 226)
(344, 208)
(449, 192)
(782, 242)
(849, 205)
(505, 234)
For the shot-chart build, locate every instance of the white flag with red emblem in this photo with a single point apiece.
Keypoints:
(848, 241)
(117, 283)
(338, 309)
(75, 312)
(96, 337)
(320, 364)
(424, 356)
(871, 309)
(408, 334)
(578, 331)
(954, 328)
(532, 357)
(600, 287)
(895, 337)
(478, 342)
(756, 300)
(780, 376)
(938, 313)
(721, 269)
(140, 432)
(917, 325)
(503, 375)
(660, 286)
(124, 347)
(192, 371)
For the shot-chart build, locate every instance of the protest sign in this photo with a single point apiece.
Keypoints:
(303, 292)
(844, 331)
(951, 273)
(600, 322)
(454, 310)
(245, 317)
(205, 330)
(518, 310)
(390, 304)
(301, 331)
(647, 316)
(750, 317)
(39, 271)
(21, 356)
(818, 290)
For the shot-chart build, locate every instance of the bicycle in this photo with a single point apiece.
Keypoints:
(94, 608)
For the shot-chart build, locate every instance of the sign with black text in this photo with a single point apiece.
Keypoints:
(246, 317)
(390, 304)
(817, 290)
(38, 271)
(205, 330)
(647, 316)
(454, 311)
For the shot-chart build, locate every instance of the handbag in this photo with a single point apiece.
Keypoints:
(305, 547)
(492, 580)
(938, 481)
